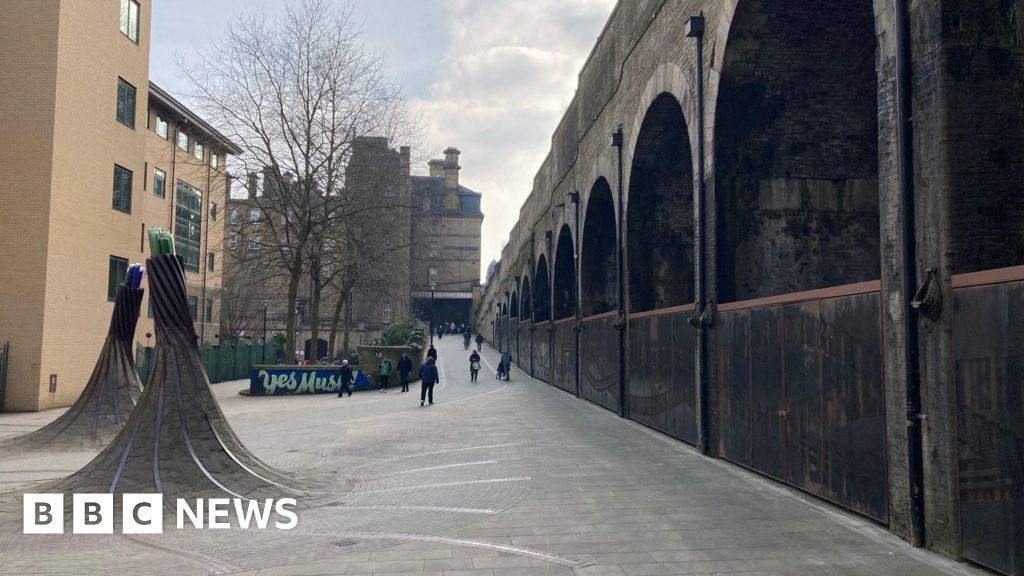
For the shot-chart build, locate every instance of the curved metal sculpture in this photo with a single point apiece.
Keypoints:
(177, 441)
(110, 394)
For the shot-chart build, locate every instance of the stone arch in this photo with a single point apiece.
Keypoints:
(513, 310)
(659, 213)
(667, 78)
(526, 300)
(796, 160)
(542, 291)
(564, 304)
(598, 281)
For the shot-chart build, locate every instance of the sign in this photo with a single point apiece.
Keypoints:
(281, 380)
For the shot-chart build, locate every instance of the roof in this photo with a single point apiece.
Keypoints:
(436, 186)
(188, 116)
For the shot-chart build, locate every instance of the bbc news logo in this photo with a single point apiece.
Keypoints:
(144, 513)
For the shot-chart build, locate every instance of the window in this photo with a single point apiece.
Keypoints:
(254, 215)
(233, 217)
(125, 103)
(433, 275)
(159, 182)
(435, 227)
(254, 242)
(214, 160)
(426, 203)
(433, 249)
(187, 224)
(182, 141)
(161, 127)
(387, 311)
(199, 151)
(116, 275)
(208, 313)
(209, 261)
(213, 211)
(130, 19)
(193, 305)
(232, 241)
(122, 189)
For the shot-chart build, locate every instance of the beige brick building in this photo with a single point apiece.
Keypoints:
(81, 150)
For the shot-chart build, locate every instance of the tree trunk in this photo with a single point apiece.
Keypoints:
(314, 319)
(289, 336)
(335, 320)
(348, 320)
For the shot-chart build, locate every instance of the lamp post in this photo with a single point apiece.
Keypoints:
(695, 29)
(574, 197)
(433, 287)
(620, 281)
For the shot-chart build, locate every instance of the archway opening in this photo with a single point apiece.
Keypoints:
(597, 265)
(796, 149)
(514, 306)
(542, 296)
(525, 302)
(660, 211)
(565, 276)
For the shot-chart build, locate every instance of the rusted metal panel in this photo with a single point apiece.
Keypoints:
(525, 346)
(542, 353)
(662, 380)
(801, 396)
(513, 342)
(599, 362)
(563, 357)
(988, 331)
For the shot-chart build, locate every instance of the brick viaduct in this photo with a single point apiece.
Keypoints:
(809, 360)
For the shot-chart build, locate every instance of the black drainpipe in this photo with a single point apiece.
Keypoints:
(908, 262)
(574, 197)
(617, 141)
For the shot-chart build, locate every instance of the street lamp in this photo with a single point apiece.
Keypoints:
(433, 288)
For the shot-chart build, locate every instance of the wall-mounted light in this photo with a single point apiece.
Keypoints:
(617, 137)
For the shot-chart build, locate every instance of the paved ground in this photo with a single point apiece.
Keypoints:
(495, 479)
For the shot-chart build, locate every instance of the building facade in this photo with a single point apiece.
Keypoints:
(80, 137)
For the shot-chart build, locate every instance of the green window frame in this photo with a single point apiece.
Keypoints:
(188, 219)
(130, 19)
(116, 273)
(125, 103)
(122, 200)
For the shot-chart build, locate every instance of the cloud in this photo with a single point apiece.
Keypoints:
(502, 85)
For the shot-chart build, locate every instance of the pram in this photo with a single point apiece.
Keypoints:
(503, 372)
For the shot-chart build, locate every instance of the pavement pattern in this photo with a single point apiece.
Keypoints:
(494, 479)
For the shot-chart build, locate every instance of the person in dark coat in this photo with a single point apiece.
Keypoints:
(432, 353)
(479, 342)
(344, 379)
(474, 366)
(404, 368)
(428, 377)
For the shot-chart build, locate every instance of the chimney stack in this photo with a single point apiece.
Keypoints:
(436, 168)
(451, 167)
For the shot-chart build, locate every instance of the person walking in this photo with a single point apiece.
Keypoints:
(385, 374)
(474, 366)
(404, 368)
(479, 342)
(506, 365)
(432, 353)
(344, 379)
(428, 377)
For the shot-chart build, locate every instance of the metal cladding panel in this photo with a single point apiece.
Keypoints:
(513, 343)
(542, 354)
(599, 362)
(988, 330)
(801, 396)
(524, 347)
(661, 374)
(853, 394)
(563, 364)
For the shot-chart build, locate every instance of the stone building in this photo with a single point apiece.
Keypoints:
(447, 224)
(95, 155)
(414, 239)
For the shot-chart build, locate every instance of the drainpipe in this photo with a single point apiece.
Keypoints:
(549, 237)
(695, 29)
(620, 281)
(908, 263)
(574, 197)
(203, 258)
(533, 288)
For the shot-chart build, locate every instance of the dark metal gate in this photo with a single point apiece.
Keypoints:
(542, 353)
(661, 372)
(523, 347)
(5, 360)
(801, 392)
(563, 356)
(988, 332)
(599, 360)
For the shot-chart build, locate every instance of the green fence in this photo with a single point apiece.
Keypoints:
(222, 363)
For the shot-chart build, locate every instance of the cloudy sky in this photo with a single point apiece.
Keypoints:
(491, 77)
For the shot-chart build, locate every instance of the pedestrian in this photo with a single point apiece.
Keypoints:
(440, 332)
(428, 377)
(385, 374)
(479, 342)
(432, 353)
(452, 327)
(474, 366)
(506, 365)
(404, 367)
(344, 379)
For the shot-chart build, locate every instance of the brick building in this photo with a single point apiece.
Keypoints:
(96, 154)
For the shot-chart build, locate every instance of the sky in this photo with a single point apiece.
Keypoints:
(490, 77)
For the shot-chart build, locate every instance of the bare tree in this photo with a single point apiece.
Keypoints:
(296, 94)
